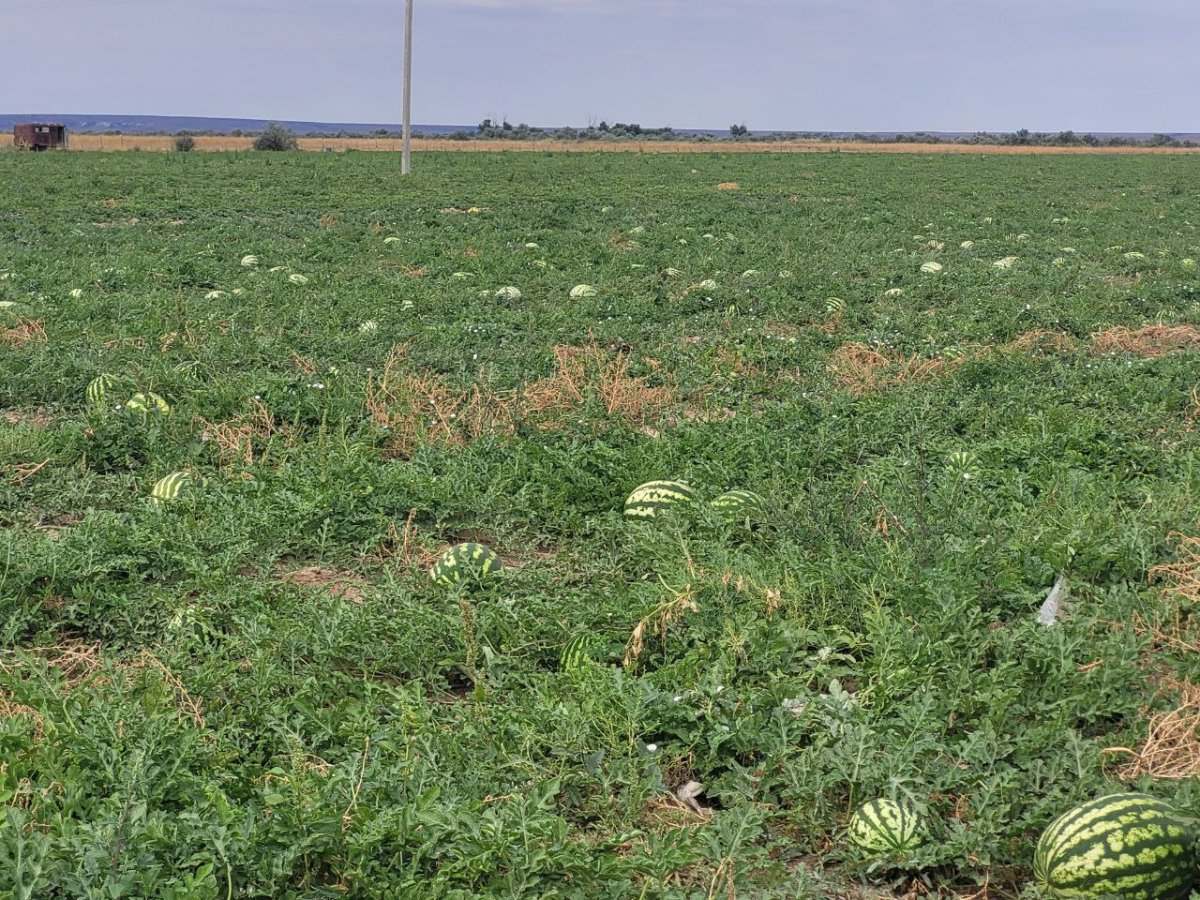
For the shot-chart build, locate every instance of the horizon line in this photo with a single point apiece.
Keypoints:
(459, 126)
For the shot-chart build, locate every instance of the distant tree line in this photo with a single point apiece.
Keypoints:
(275, 136)
(620, 131)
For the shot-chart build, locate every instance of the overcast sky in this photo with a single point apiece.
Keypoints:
(953, 65)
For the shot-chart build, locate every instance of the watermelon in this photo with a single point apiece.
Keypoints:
(148, 403)
(579, 652)
(883, 826)
(98, 387)
(1131, 846)
(734, 505)
(583, 291)
(468, 561)
(649, 499)
(171, 487)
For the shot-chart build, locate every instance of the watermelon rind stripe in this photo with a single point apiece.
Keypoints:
(465, 561)
(169, 487)
(738, 502)
(1104, 809)
(1105, 813)
(1127, 845)
(884, 826)
(652, 496)
(98, 387)
(577, 653)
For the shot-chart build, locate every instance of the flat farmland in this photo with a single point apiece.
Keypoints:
(951, 380)
(222, 143)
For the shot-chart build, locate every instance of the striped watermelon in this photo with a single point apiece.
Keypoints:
(1124, 845)
(171, 487)
(649, 499)
(148, 403)
(98, 387)
(468, 561)
(883, 826)
(579, 652)
(734, 505)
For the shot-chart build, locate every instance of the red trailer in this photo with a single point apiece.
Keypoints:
(39, 136)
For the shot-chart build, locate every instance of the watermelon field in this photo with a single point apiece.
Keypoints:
(946, 384)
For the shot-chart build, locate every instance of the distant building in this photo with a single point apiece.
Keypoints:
(39, 136)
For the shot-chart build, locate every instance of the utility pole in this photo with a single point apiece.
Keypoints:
(406, 153)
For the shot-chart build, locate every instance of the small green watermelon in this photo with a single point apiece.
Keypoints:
(579, 652)
(172, 487)
(883, 826)
(653, 497)
(98, 387)
(148, 404)
(465, 562)
(735, 505)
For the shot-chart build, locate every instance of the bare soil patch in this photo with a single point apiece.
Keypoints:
(343, 585)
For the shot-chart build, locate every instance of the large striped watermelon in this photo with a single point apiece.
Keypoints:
(465, 562)
(172, 487)
(653, 497)
(1130, 846)
(736, 505)
(98, 387)
(883, 826)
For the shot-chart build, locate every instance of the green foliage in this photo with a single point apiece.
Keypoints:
(258, 691)
(185, 143)
(276, 137)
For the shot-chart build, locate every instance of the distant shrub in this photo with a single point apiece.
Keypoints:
(185, 143)
(276, 137)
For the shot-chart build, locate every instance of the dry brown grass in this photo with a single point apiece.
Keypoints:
(79, 664)
(1150, 341)
(244, 437)
(665, 812)
(28, 419)
(26, 331)
(22, 472)
(1182, 577)
(303, 364)
(1171, 749)
(420, 408)
(857, 368)
(11, 709)
(165, 143)
(1043, 342)
(591, 376)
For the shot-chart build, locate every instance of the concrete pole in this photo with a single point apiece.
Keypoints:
(406, 154)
